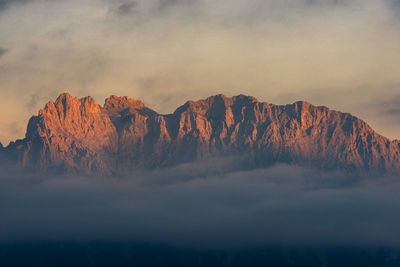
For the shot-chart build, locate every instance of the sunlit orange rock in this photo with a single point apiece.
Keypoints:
(79, 135)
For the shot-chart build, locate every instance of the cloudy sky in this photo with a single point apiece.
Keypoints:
(344, 54)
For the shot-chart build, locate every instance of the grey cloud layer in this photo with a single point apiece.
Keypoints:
(126, 8)
(3, 51)
(239, 11)
(4, 4)
(390, 107)
(188, 205)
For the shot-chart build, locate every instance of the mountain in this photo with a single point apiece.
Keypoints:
(78, 135)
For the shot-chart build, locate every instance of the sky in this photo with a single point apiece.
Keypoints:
(337, 53)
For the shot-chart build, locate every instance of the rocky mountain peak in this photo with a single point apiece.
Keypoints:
(69, 133)
(217, 102)
(116, 105)
(76, 134)
(66, 107)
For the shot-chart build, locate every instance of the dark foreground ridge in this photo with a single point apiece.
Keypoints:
(78, 135)
(131, 254)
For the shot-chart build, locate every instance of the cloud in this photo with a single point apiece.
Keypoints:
(165, 4)
(148, 11)
(394, 3)
(195, 205)
(393, 111)
(4, 4)
(15, 127)
(126, 8)
(3, 51)
(35, 103)
(388, 106)
(224, 11)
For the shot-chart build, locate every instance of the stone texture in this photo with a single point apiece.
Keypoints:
(78, 135)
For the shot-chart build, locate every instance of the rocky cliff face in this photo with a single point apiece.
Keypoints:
(78, 135)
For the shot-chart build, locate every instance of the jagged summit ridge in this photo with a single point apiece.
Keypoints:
(72, 134)
(115, 104)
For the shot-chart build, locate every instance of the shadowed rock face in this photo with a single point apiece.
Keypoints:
(78, 135)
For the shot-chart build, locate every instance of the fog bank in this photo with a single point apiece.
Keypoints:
(196, 205)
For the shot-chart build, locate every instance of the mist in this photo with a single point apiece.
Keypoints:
(206, 206)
